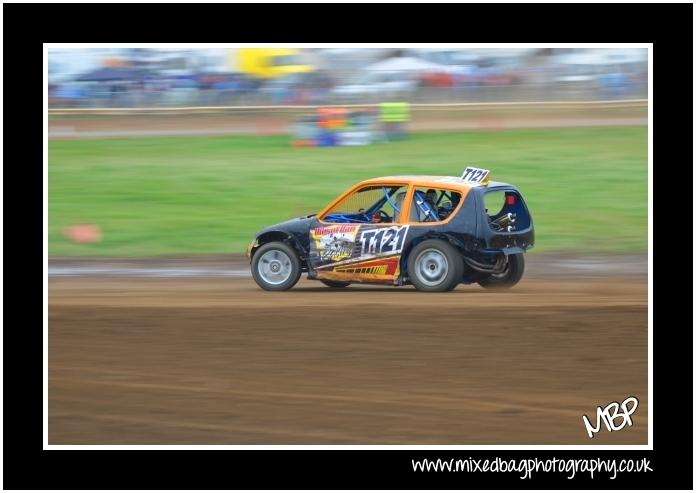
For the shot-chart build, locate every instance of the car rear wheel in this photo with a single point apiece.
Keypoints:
(276, 266)
(510, 276)
(435, 265)
(335, 284)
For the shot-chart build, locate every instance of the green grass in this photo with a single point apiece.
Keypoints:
(586, 188)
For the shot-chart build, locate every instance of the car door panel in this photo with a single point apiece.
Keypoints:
(357, 252)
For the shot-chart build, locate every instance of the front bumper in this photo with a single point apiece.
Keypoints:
(251, 246)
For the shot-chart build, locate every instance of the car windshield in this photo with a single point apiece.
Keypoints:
(374, 203)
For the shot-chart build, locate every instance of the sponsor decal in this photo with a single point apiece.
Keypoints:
(341, 228)
(334, 243)
(358, 249)
(380, 267)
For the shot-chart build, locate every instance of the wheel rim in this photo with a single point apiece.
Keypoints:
(274, 267)
(431, 267)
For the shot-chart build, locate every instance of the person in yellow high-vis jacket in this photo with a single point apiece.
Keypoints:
(394, 116)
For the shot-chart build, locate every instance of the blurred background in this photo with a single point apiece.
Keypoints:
(84, 78)
(190, 151)
(163, 164)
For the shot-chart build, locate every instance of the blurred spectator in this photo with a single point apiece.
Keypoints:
(70, 95)
(394, 117)
(152, 78)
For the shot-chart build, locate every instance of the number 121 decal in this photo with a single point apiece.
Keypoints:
(475, 175)
(382, 241)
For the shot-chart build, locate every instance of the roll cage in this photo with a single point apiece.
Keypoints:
(429, 211)
(366, 215)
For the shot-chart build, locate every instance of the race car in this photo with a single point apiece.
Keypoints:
(433, 232)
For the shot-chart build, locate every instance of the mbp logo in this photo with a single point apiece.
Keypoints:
(610, 414)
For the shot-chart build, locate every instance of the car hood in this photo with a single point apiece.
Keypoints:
(293, 226)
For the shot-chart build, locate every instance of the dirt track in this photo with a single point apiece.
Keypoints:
(280, 122)
(218, 361)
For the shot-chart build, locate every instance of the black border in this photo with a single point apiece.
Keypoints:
(27, 26)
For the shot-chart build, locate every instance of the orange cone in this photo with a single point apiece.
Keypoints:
(84, 233)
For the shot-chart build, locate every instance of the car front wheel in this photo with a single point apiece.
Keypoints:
(435, 265)
(276, 267)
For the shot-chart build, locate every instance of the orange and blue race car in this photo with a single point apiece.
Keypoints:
(433, 232)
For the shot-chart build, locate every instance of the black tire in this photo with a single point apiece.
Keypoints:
(511, 276)
(425, 264)
(278, 255)
(335, 284)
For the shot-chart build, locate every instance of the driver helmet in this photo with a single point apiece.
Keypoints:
(431, 197)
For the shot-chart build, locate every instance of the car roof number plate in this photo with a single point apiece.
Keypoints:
(475, 176)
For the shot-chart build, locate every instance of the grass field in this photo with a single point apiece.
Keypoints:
(587, 189)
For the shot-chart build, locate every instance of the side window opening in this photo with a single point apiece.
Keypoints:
(371, 204)
(506, 211)
(433, 205)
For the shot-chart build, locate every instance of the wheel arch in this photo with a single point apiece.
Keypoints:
(283, 236)
(433, 235)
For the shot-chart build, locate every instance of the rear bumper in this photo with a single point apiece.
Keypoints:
(512, 242)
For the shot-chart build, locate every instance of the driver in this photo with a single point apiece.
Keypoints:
(431, 198)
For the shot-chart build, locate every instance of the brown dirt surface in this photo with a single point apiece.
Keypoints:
(219, 361)
(280, 122)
